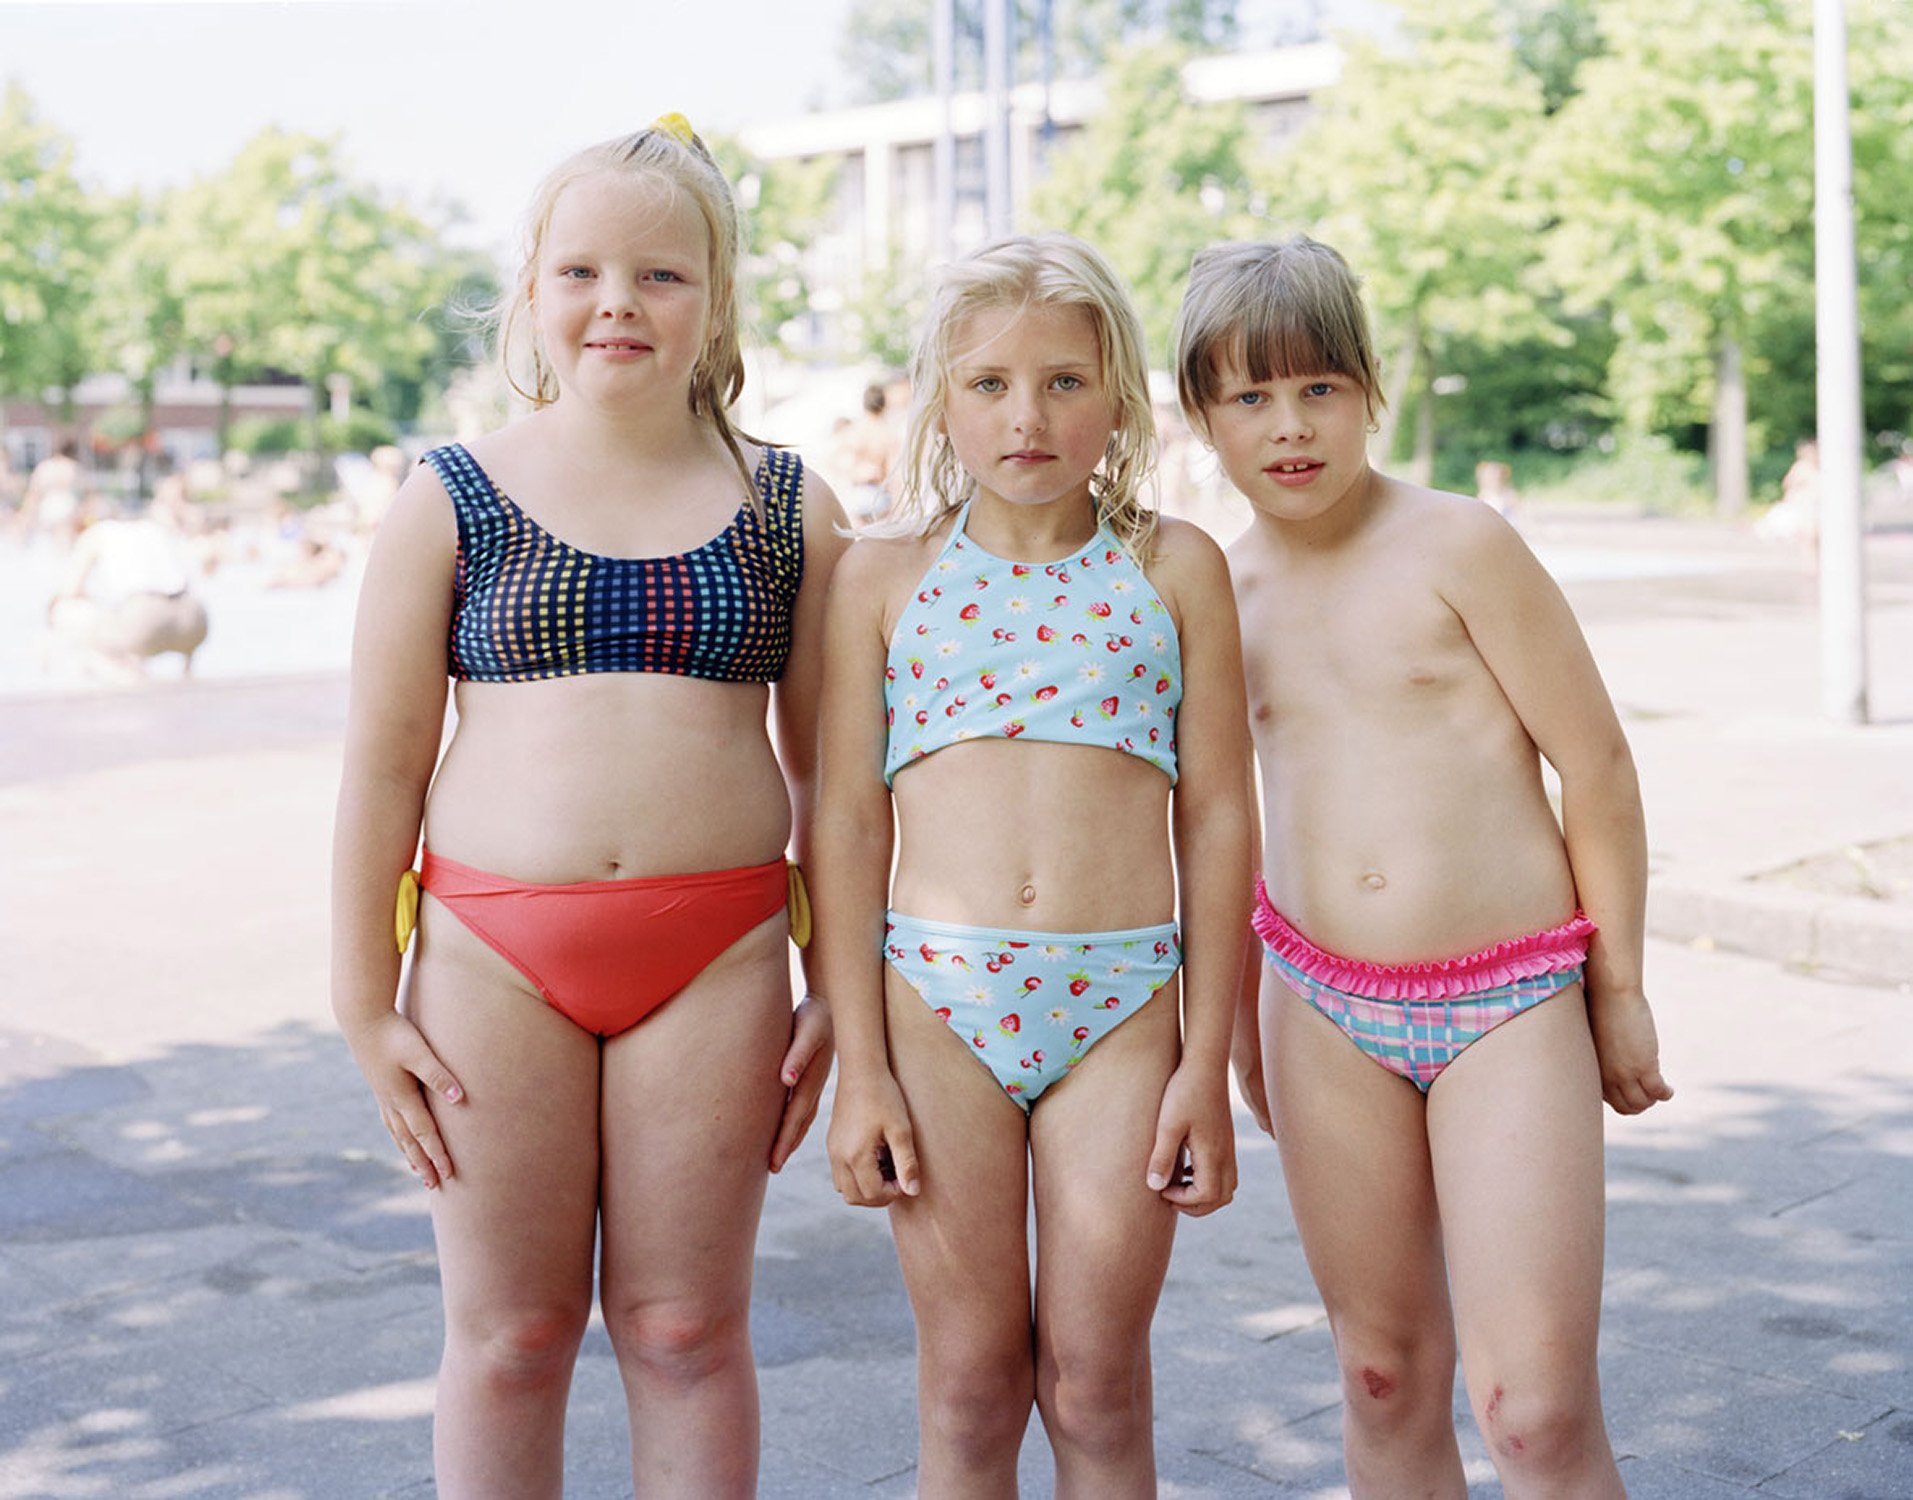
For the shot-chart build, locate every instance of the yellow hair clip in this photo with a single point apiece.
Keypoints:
(676, 126)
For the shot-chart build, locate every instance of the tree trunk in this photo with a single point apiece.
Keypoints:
(1421, 469)
(1728, 434)
(1395, 390)
(148, 401)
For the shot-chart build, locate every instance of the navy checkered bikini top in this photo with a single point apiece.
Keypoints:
(527, 605)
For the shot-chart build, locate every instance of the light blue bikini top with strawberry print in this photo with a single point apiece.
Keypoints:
(1080, 651)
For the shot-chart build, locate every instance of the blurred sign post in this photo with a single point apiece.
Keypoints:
(1843, 665)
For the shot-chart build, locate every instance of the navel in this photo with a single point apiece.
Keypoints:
(1027, 895)
(1374, 880)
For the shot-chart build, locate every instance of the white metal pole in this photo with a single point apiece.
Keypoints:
(943, 153)
(996, 127)
(1843, 664)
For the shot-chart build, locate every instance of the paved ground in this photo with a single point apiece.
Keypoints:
(215, 1282)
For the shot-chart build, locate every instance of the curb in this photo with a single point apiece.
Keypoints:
(1866, 940)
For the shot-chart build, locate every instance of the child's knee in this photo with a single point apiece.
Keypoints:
(519, 1350)
(677, 1343)
(1540, 1427)
(1391, 1382)
(976, 1400)
(1098, 1411)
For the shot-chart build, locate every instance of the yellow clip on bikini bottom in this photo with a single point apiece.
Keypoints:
(405, 919)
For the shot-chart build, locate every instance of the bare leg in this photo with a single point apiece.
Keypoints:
(1514, 1126)
(1355, 1156)
(963, 1245)
(1102, 1250)
(515, 1225)
(691, 1102)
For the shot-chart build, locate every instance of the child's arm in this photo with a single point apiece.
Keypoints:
(806, 1063)
(1245, 1047)
(872, 1149)
(1211, 817)
(1525, 632)
(393, 729)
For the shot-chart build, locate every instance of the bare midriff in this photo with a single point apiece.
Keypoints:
(1052, 838)
(609, 776)
(1399, 836)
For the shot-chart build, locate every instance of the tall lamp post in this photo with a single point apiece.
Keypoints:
(1843, 657)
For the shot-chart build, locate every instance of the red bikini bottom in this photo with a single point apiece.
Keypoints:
(606, 953)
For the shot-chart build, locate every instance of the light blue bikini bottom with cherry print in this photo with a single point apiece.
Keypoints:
(1030, 1005)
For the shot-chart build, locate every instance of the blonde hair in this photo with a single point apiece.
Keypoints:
(1049, 270)
(1275, 311)
(669, 153)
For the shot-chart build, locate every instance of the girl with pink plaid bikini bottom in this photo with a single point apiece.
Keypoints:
(1453, 978)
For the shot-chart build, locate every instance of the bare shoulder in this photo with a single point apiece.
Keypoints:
(420, 513)
(818, 495)
(824, 521)
(515, 442)
(1251, 560)
(1456, 530)
(1183, 541)
(878, 573)
(1184, 556)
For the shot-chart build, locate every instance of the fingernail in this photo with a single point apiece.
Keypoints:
(455, 1093)
(1157, 1182)
(790, 1077)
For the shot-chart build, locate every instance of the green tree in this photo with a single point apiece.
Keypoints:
(1417, 167)
(784, 205)
(295, 267)
(50, 240)
(1682, 177)
(1881, 38)
(1153, 178)
(1552, 38)
(137, 319)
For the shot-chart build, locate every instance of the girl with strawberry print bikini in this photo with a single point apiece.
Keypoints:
(1033, 710)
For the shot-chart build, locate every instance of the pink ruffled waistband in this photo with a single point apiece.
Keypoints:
(1550, 952)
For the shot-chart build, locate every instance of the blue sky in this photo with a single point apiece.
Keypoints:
(468, 101)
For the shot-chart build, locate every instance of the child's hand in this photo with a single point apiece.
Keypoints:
(1193, 1164)
(404, 1072)
(805, 1067)
(1629, 1051)
(873, 1150)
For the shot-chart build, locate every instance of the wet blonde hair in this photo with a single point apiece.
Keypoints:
(667, 152)
(1276, 311)
(1024, 272)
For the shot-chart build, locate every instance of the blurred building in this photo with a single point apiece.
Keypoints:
(886, 211)
(106, 420)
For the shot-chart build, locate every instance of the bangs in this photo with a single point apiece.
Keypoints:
(1279, 340)
(1271, 312)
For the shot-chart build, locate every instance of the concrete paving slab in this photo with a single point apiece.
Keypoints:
(1650, 1479)
(1870, 1463)
(1850, 1334)
(1715, 1419)
(54, 1194)
(852, 1420)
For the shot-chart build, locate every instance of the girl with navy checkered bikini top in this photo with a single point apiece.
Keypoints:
(1038, 684)
(625, 592)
